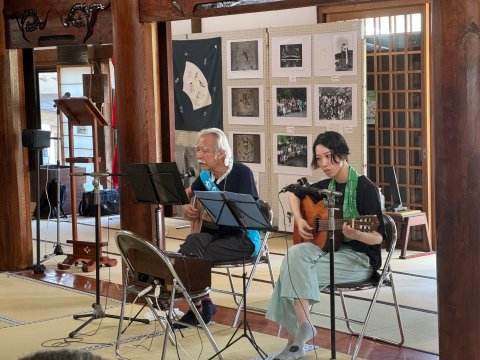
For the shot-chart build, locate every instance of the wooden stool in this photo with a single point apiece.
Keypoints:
(409, 220)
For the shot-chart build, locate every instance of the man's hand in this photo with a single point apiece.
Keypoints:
(190, 212)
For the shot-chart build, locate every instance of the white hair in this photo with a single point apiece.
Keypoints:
(221, 144)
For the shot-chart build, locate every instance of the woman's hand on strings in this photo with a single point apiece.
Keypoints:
(304, 229)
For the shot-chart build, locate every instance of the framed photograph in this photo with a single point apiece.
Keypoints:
(292, 105)
(249, 148)
(335, 53)
(245, 105)
(291, 56)
(245, 59)
(335, 103)
(292, 154)
(284, 223)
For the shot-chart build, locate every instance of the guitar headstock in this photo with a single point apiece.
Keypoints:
(365, 223)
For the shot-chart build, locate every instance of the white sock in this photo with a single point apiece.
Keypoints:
(285, 350)
(305, 333)
(291, 352)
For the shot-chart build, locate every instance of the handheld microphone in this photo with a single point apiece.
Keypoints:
(190, 173)
(300, 183)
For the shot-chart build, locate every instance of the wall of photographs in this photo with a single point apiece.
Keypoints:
(281, 88)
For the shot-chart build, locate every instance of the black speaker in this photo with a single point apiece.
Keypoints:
(35, 139)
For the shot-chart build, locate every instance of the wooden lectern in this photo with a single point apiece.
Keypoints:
(80, 111)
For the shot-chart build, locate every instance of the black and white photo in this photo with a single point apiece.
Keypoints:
(245, 105)
(248, 148)
(245, 58)
(291, 56)
(336, 104)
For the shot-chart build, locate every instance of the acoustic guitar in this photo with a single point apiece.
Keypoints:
(316, 216)
(196, 225)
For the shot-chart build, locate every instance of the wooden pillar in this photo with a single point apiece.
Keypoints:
(138, 120)
(15, 221)
(456, 122)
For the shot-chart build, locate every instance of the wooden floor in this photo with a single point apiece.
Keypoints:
(370, 350)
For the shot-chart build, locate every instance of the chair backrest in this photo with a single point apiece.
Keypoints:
(266, 210)
(142, 257)
(391, 230)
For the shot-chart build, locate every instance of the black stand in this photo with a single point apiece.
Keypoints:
(38, 268)
(157, 184)
(329, 202)
(237, 211)
(36, 139)
(98, 312)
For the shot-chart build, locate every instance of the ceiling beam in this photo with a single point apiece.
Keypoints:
(168, 10)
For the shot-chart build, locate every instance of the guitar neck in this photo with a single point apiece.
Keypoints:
(322, 225)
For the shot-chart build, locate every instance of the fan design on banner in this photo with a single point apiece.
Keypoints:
(195, 85)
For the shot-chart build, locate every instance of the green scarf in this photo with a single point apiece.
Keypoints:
(349, 197)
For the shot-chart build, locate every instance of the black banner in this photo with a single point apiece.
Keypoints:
(197, 70)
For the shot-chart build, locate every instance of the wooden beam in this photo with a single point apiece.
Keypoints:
(166, 10)
(32, 23)
(456, 114)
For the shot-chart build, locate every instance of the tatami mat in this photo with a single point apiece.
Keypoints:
(49, 327)
(415, 278)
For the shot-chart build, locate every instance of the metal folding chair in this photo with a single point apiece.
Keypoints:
(379, 279)
(157, 277)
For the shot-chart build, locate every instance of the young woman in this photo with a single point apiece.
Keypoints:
(305, 270)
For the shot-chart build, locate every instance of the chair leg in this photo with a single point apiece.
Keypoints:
(120, 321)
(397, 310)
(197, 315)
(164, 324)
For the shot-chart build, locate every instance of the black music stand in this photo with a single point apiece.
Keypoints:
(238, 211)
(157, 184)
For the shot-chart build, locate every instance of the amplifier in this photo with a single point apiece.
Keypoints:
(194, 273)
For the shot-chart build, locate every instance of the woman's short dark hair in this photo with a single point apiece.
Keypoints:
(333, 141)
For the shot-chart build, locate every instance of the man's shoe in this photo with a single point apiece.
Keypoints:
(208, 310)
(187, 320)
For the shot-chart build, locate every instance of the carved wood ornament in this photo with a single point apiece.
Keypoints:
(51, 23)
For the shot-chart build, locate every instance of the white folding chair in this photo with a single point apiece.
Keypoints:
(157, 277)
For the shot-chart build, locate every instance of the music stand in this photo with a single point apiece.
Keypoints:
(238, 211)
(156, 184)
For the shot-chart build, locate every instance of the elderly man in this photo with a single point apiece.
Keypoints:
(217, 243)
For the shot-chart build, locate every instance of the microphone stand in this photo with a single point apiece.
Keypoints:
(329, 202)
(98, 312)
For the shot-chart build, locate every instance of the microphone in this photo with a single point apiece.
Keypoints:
(302, 182)
(66, 95)
(190, 173)
(310, 190)
(327, 192)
